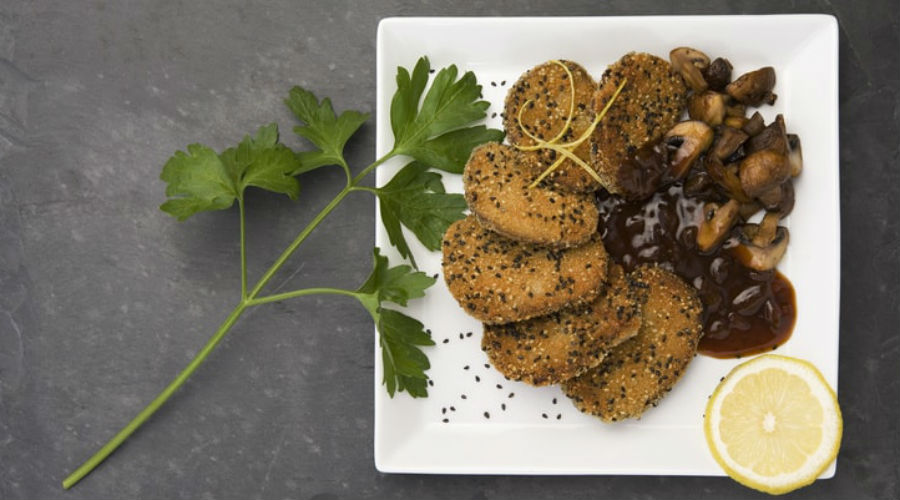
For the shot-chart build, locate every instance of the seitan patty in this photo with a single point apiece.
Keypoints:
(639, 372)
(496, 181)
(650, 104)
(549, 91)
(554, 348)
(499, 280)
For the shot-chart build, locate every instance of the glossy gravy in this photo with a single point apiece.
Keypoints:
(745, 311)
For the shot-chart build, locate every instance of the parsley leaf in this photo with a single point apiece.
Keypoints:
(433, 133)
(323, 128)
(197, 180)
(415, 198)
(262, 162)
(399, 335)
(201, 180)
(450, 152)
(403, 362)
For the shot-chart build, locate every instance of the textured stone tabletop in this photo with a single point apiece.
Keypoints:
(103, 298)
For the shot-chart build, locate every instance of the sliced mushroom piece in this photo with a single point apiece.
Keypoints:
(750, 209)
(690, 138)
(771, 197)
(754, 88)
(727, 179)
(736, 110)
(730, 139)
(716, 224)
(736, 157)
(760, 257)
(762, 171)
(795, 154)
(708, 107)
(786, 205)
(737, 122)
(718, 74)
(699, 184)
(779, 199)
(773, 137)
(766, 229)
(690, 63)
(754, 125)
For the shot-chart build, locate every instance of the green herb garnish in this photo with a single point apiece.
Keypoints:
(436, 133)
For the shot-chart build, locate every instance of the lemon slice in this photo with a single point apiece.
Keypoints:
(773, 424)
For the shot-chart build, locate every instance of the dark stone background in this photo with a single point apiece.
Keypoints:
(103, 298)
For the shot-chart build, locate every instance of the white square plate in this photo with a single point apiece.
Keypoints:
(539, 431)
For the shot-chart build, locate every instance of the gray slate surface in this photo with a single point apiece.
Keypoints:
(103, 298)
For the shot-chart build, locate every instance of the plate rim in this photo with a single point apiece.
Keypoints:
(821, 21)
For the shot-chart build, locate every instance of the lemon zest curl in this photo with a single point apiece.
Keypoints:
(564, 150)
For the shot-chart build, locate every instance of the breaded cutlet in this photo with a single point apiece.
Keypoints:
(653, 99)
(554, 348)
(639, 372)
(549, 91)
(496, 181)
(499, 280)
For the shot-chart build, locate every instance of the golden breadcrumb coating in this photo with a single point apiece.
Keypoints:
(549, 91)
(554, 348)
(496, 181)
(639, 372)
(499, 280)
(653, 99)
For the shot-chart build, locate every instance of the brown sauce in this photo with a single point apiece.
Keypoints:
(745, 311)
(644, 171)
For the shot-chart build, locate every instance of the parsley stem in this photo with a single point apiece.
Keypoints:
(346, 171)
(312, 225)
(243, 251)
(300, 293)
(154, 405)
(360, 176)
(296, 243)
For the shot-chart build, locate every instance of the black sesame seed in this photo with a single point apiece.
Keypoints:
(461, 336)
(431, 383)
(499, 386)
(503, 406)
(466, 367)
(444, 410)
(463, 396)
(445, 420)
(544, 415)
(468, 334)
(487, 415)
(452, 408)
(512, 394)
(446, 341)
(554, 400)
(487, 365)
(558, 416)
(477, 378)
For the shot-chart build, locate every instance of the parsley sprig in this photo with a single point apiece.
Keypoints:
(435, 131)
